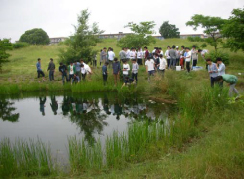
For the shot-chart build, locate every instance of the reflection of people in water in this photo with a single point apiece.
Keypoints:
(117, 109)
(54, 105)
(105, 104)
(85, 106)
(65, 105)
(42, 104)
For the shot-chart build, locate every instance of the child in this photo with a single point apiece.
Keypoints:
(150, 67)
(71, 69)
(76, 79)
(232, 79)
(105, 73)
(127, 81)
(83, 72)
(126, 69)
(162, 64)
(116, 70)
(135, 68)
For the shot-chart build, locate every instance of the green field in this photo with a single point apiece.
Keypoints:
(206, 140)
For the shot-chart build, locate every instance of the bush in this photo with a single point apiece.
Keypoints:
(20, 45)
(214, 55)
(195, 39)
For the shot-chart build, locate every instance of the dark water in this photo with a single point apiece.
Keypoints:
(53, 118)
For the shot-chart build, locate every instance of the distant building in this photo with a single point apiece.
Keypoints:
(159, 37)
(114, 36)
(56, 40)
(184, 36)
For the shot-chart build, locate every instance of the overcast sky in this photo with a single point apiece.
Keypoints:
(57, 16)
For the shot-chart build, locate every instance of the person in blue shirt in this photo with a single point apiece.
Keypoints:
(105, 73)
(212, 70)
(39, 69)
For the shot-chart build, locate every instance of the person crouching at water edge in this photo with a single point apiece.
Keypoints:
(232, 80)
(150, 67)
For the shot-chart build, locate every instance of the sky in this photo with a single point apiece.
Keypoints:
(57, 17)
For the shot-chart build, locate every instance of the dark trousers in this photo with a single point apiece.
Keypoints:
(64, 77)
(83, 76)
(194, 63)
(212, 81)
(105, 77)
(94, 63)
(51, 75)
(134, 76)
(139, 61)
(168, 62)
(188, 66)
(162, 71)
(71, 76)
(40, 73)
(177, 61)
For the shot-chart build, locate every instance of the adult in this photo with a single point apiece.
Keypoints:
(172, 54)
(188, 59)
(105, 73)
(111, 56)
(146, 54)
(177, 56)
(39, 69)
(221, 69)
(122, 54)
(104, 55)
(182, 59)
(139, 56)
(194, 56)
(167, 56)
(150, 67)
(232, 80)
(133, 54)
(101, 56)
(212, 70)
(162, 64)
(51, 69)
(116, 70)
(127, 54)
(63, 71)
(77, 69)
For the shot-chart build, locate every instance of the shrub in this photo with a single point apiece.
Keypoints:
(20, 45)
(214, 55)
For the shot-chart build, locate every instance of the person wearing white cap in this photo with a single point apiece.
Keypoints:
(177, 56)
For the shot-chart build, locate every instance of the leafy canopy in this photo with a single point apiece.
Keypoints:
(169, 30)
(4, 46)
(141, 35)
(35, 37)
(81, 43)
(233, 30)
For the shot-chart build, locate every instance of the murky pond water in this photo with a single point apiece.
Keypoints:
(53, 118)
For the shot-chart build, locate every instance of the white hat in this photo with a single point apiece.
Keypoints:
(177, 47)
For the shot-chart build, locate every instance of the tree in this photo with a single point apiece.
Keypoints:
(81, 43)
(169, 30)
(212, 27)
(233, 30)
(35, 37)
(4, 46)
(7, 111)
(141, 35)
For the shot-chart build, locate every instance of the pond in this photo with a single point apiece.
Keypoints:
(89, 116)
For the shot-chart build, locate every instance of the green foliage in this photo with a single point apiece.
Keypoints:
(4, 46)
(20, 45)
(195, 39)
(81, 43)
(169, 30)
(212, 27)
(35, 37)
(141, 37)
(233, 30)
(214, 55)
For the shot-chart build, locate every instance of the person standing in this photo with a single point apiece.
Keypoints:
(139, 56)
(188, 59)
(212, 70)
(84, 71)
(146, 54)
(172, 54)
(177, 56)
(104, 55)
(127, 54)
(77, 69)
(232, 80)
(221, 69)
(156, 61)
(150, 67)
(116, 70)
(135, 68)
(105, 73)
(162, 64)
(122, 55)
(51, 69)
(194, 56)
(167, 56)
(71, 69)
(182, 59)
(101, 57)
(133, 54)
(111, 56)
(63, 71)
(39, 69)
(126, 69)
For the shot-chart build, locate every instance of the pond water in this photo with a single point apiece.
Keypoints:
(53, 118)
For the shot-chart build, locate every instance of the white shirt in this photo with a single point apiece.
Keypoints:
(127, 67)
(83, 70)
(150, 65)
(111, 55)
(132, 55)
(221, 70)
(153, 50)
(139, 54)
(162, 64)
(162, 52)
(167, 54)
(128, 54)
(188, 56)
(71, 70)
(88, 69)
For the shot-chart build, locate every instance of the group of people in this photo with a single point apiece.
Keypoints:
(155, 61)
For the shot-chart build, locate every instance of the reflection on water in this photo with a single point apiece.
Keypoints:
(89, 116)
